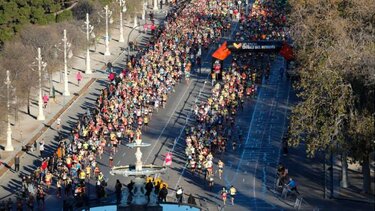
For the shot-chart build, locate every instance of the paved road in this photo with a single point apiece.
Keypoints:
(252, 167)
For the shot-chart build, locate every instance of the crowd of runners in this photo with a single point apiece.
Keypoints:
(216, 117)
(126, 105)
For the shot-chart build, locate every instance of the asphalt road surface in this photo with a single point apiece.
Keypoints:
(251, 168)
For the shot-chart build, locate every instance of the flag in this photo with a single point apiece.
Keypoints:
(168, 159)
(222, 52)
(287, 52)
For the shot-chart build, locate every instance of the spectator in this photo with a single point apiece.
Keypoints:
(41, 148)
(17, 163)
(78, 77)
(109, 67)
(191, 200)
(292, 186)
(149, 187)
(58, 123)
(163, 194)
(118, 188)
(45, 99)
(179, 194)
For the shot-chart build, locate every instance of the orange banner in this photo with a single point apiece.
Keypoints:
(222, 52)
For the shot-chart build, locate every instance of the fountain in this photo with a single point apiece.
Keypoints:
(139, 171)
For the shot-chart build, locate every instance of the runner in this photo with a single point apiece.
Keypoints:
(221, 168)
(224, 194)
(232, 191)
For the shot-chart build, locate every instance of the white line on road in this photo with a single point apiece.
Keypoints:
(166, 124)
(257, 162)
(183, 170)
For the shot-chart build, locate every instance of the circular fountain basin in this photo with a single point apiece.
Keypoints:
(133, 145)
(129, 170)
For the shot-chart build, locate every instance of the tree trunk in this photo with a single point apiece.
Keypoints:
(331, 191)
(344, 170)
(366, 174)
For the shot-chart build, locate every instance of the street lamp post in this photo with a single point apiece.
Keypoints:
(144, 11)
(66, 49)
(108, 14)
(9, 147)
(122, 10)
(89, 29)
(135, 21)
(155, 5)
(67, 46)
(41, 67)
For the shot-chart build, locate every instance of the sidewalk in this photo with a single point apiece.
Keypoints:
(27, 130)
(309, 175)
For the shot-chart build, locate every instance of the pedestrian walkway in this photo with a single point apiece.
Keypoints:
(27, 130)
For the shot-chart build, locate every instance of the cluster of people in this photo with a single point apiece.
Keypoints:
(125, 106)
(267, 20)
(215, 127)
(224, 194)
(284, 182)
(152, 187)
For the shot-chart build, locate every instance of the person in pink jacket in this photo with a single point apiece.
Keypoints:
(78, 77)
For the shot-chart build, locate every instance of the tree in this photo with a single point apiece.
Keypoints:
(336, 57)
(22, 77)
(318, 118)
(362, 133)
(14, 14)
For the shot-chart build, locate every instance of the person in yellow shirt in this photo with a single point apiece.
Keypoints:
(82, 175)
(48, 179)
(232, 192)
(146, 120)
(88, 172)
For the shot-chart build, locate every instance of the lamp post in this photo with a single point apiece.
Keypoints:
(67, 54)
(108, 14)
(9, 147)
(88, 29)
(155, 5)
(144, 11)
(135, 21)
(41, 67)
(122, 10)
(67, 46)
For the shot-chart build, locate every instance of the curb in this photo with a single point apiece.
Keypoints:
(10, 163)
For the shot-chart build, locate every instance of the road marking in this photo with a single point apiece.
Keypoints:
(165, 126)
(183, 170)
(123, 154)
(284, 122)
(257, 162)
(249, 130)
(187, 119)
